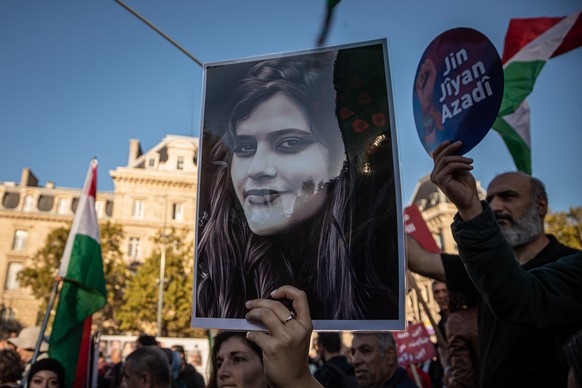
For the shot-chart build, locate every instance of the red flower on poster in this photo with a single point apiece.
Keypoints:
(360, 125)
(345, 113)
(379, 119)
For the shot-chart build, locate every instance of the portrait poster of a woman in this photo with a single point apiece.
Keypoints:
(299, 185)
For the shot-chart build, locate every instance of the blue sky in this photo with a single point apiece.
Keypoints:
(80, 78)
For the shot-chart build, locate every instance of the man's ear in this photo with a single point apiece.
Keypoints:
(391, 356)
(146, 380)
(542, 206)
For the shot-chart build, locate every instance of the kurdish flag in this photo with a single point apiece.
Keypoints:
(529, 43)
(83, 291)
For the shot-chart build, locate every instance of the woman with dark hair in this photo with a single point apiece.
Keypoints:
(284, 200)
(46, 373)
(235, 361)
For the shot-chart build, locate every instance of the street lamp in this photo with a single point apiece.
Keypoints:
(161, 284)
(162, 269)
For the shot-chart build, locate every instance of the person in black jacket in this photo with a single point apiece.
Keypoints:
(529, 283)
(188, 375)
(336, 366)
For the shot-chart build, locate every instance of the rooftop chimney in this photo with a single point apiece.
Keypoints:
(28, 178)
(134, 151)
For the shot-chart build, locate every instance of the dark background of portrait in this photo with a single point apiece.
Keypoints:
(360, 81)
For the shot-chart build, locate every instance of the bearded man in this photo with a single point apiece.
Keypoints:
(512, 354)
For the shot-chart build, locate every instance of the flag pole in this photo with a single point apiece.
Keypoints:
(93, 367)
(46, 318)
(326, 22)
(160, 32)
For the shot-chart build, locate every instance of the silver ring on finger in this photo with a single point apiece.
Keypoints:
(291, 316)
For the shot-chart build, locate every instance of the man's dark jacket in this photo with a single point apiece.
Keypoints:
(400, 379)
(330, 377)
(512, 354)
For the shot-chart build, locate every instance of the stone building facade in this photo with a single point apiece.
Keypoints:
(156, 190)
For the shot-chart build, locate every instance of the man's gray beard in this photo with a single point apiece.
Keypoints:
(524, 230)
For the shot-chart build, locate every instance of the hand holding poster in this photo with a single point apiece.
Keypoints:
(458, 89)
(414, 345)
(298, 186)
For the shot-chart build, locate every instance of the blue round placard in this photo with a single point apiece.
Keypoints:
(457, 90)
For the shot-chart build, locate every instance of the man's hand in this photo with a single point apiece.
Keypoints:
(451, 173)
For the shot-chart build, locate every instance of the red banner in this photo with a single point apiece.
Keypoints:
(416, 227)
(414, 345)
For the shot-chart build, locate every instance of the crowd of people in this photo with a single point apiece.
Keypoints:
(237, 361)
(511, 313)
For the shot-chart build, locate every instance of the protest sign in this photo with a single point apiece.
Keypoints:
(457, 89)
(414, 345)
(299, 185)
(416, 227)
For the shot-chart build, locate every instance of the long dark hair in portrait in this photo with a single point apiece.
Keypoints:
(345, 257)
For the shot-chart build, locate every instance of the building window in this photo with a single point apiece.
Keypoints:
(178, 212)
(180, 163)
(99, 209)
(137, 209)
(151, 162)
(7, 315)
(27, 203)
(134, 248)
(12, 282)
(19, 242)
(62, 206)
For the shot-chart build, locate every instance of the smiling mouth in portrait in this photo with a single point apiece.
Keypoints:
(261, 196)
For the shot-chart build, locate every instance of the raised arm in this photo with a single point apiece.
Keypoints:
(424, 262)
(541, 297)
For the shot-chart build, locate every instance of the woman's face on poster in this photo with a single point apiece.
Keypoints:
(279, 169)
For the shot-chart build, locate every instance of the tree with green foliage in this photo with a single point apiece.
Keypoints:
(139, 311)
(566, 226)
(117, 276)
(40, 275)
